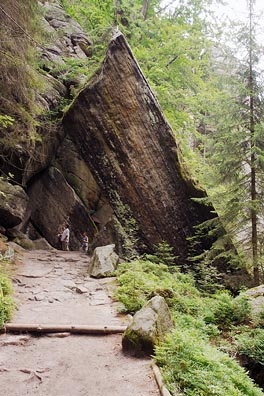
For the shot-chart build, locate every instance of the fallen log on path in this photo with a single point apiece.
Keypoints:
(76, 329)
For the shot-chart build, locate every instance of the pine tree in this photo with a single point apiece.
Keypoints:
(235, 149)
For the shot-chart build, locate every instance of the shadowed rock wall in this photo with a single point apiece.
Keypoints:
(120, 131)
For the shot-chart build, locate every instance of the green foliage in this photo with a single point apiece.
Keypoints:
(190, 360)
(171, 47)
(140, 280)
(231, 142)
(208, 278)
(6, 121)
(227, 311)
(19, 80)
(191, 367)
(163, 254)
(127, 228)
(6, 302)
(251, 344)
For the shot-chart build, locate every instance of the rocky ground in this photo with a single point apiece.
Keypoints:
(53, 287)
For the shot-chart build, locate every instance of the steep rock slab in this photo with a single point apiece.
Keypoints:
(53, 202)
(121, 132)
(78, 175)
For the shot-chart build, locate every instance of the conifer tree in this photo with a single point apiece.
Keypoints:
(235, 149)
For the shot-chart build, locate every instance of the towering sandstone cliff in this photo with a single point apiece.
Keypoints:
(111, 168)
(122, 135)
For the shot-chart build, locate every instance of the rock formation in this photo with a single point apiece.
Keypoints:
(148, 327)
(52, 202)
(104, 261)
(122, 135)
(112, 168)
(13, 204)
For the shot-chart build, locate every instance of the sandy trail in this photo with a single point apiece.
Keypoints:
(54, 288)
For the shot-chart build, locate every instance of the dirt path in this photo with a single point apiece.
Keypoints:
(54, 288)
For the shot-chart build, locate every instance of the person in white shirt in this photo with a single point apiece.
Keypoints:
(65, 238)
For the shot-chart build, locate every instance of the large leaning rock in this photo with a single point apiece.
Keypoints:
(120, 131)
(13, 204)
(104, 261)
(148, 327)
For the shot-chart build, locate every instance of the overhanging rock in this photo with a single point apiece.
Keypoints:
(121, 133)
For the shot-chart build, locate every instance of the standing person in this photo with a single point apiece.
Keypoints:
(65, 238)
(85, 242)
(59, 235)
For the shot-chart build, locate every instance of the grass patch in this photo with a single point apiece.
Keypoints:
(192, 358)
(193, 367)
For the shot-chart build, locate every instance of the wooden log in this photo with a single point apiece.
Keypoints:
(158, 377)
(74, 329)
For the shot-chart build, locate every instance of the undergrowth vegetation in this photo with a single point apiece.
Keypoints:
(197, 358)
(6, 301)
(19, 81)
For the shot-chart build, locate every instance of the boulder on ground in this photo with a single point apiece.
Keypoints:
(256, 298)
(104, 261)
(13, 204)
(42, 244)
(148, 327)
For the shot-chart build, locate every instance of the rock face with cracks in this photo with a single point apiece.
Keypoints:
(13, 204)
(121, 133)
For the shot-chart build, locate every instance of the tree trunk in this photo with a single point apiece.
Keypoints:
(254, 231)
(145, 8)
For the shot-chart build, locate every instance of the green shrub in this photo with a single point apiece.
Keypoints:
(191, 362)
(140, 280)
(163, 254)
(6, 302)
(251, 344)
(227, 311)
(192, 367)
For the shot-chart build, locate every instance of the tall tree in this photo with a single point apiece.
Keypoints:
(235, 148)
(252, 127)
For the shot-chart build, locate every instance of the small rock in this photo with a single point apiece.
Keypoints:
(50, 300)
(81, 289)
(69, 284)
(39, 297)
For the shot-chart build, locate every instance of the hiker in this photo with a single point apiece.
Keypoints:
(84, 245)
(60, 231)
(65, 238)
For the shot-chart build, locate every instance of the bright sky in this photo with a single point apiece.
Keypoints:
(238, 8)
(233, 8)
